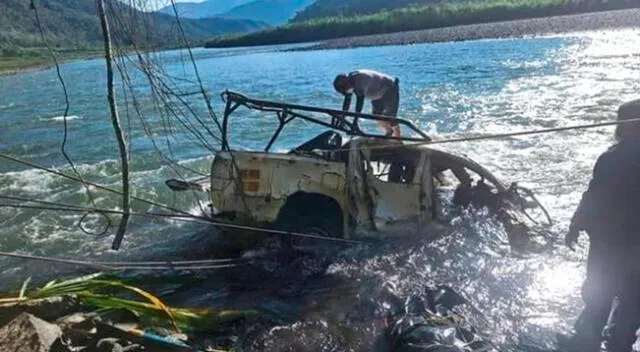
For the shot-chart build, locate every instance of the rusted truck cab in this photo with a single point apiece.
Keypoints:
(368, 185)
(260, 187)
(352, 193)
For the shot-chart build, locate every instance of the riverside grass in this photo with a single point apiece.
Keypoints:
(16, 60)
(416, 18)
(103, 293)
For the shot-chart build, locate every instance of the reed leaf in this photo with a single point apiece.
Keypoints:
(23, 289)
(96, 291)
(202, 320)
(153, 299)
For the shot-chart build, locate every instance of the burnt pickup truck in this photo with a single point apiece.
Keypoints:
(350, 183)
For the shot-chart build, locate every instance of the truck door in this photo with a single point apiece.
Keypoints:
(390, 188)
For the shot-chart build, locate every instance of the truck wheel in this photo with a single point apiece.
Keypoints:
(318, 226)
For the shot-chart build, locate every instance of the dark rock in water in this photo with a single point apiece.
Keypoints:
(77, 327)
(113, 344)
(415, 305)
(443, 296)
(428, 324)
(28, 333)
(78, 321)
(46, 308)
(415, 333)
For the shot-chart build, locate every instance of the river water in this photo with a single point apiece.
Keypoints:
(448, 89)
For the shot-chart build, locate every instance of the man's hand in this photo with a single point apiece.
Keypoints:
(571, 238)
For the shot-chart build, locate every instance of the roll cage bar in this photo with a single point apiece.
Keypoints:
(338, 120)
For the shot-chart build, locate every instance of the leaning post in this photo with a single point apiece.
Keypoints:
(115, 120)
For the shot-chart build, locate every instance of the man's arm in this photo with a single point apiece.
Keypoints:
(359, 103)
(604, 188)
(346, 105)
(577, 223)
(598, 201)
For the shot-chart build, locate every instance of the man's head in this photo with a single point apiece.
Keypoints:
(630, 130)
(343, 84)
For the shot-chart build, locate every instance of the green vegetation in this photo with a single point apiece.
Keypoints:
(75, 24)
(72, 27)
(414, 18)
(15, 59)
(346, 8)
(103, 293)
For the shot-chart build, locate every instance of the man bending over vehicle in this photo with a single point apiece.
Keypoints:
(382, 90)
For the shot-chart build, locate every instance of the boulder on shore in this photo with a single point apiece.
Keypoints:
(28, 333)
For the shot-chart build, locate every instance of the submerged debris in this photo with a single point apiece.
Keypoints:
(428, 323)
(382, 321)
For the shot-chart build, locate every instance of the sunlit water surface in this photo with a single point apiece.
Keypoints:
(448, 89)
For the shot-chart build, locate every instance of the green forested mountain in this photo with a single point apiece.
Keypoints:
(74, 24)
(208, 8)
(273, 12)
(330, 8)
(413, 16)
(352, 8)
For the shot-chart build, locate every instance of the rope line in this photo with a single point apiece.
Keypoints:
(494, 136)
(207, 101)
(172, 263)
(190, 218)
(184, 217)
(111, 266)
(65, 116)
(192, 59)
(73, 178)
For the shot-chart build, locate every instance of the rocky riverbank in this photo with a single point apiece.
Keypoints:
(508, 29)
(68, 323)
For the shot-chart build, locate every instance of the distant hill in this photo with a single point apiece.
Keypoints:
(330, 8)
(209, 8)
(74, 24)
(273, 12)
(425, 14)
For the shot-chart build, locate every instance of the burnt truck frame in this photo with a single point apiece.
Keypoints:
(372, 186)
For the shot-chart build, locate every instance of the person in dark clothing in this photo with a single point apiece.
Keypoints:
(382, 90)
(608, 212)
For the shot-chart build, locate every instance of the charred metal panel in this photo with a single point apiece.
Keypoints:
(268, 179)
(396, 203)
(360, 201)
(426, 189)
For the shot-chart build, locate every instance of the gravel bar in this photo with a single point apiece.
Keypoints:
(508, 29)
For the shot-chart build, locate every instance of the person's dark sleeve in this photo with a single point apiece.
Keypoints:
(599, 202)
(359, 103)
(346, 105)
